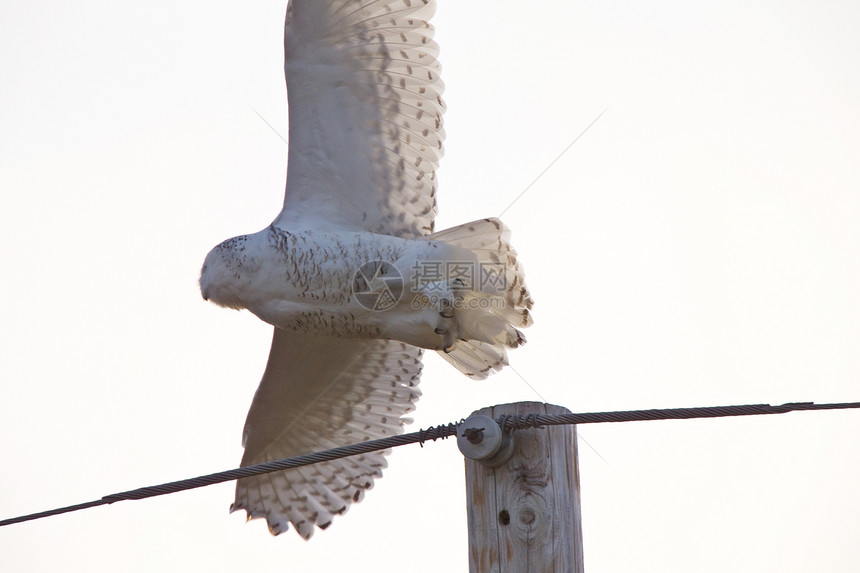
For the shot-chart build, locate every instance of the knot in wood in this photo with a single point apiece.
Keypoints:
(527, 515)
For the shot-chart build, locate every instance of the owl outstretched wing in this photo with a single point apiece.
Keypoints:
(365, 116)
(317, 393)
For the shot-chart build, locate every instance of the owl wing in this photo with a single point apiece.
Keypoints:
(318, 393)
(365, 116)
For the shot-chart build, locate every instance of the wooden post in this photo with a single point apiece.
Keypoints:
(523, 495)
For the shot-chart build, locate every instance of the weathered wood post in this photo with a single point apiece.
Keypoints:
(522, 493)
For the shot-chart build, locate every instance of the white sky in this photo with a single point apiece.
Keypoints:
(700, 245)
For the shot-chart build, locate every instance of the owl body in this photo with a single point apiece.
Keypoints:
(350, 284)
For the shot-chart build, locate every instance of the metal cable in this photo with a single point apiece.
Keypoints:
(434, 433)
(535, 420)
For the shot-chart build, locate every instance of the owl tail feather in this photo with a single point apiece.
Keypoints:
(492, 304)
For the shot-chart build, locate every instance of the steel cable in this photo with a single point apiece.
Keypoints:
(431, 434)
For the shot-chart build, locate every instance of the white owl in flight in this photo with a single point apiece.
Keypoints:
(350, 273)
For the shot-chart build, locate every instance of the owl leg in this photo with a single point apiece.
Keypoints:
(445, 297)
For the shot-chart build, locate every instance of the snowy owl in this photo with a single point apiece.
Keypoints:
(350, 273)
